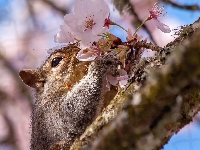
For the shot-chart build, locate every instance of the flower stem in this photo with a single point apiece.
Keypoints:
(141, 25)
(113, 23)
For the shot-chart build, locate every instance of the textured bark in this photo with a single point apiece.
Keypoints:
(167, 100)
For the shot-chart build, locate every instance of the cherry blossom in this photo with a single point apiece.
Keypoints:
(65, 35)
(123, 78)
(110, 80)
(89, 25)
(88, 20)
(88, 53)
(155, 13)
(132, 36)
(120, 80)
(107, 82)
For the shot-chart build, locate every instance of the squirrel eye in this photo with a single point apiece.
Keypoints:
(56, 61)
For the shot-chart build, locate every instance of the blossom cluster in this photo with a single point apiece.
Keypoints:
(89, 26)
(85, 25)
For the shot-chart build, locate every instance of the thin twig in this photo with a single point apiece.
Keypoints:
(134, 13)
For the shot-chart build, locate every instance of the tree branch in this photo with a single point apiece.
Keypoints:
(186, 7)
(54, 6)
(168, 92)
(23, 89)
(148, 114)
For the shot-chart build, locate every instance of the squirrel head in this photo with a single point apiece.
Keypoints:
(63, 109)
(60, 71)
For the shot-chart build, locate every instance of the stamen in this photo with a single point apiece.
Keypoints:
(89, 24)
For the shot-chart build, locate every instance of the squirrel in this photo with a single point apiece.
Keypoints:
(69, 96)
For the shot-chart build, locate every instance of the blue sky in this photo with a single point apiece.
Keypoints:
(3, 3)
(186, 17)
(4, 11)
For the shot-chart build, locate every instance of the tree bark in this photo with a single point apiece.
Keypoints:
(167, 100)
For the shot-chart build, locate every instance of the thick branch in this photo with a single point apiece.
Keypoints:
(116, 105)
(148, 117)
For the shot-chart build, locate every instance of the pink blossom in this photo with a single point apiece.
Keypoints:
(88, 20)
(110, 80)
(88, 53)
(65, 35)
(123, 78)
(120, 80)
(164, 28)
(155, 13)
(130, 35)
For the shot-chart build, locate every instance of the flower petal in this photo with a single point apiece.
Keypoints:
(88, 38)
(164, 28)
(113, 80)
(76, 24)
(81, 7)
(103, 8)
(130, 35)
(82, 56)
(99, 20)
(122, 72)
(123, 78)
(64, 36)
(120, 78)
(106, 85)
(122, 83)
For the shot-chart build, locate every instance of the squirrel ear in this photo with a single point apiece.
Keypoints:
(32, 78)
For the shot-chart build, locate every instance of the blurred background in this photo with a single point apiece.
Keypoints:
(27, 29)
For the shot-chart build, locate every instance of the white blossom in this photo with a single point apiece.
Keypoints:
(86, 23)
(155, 13)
